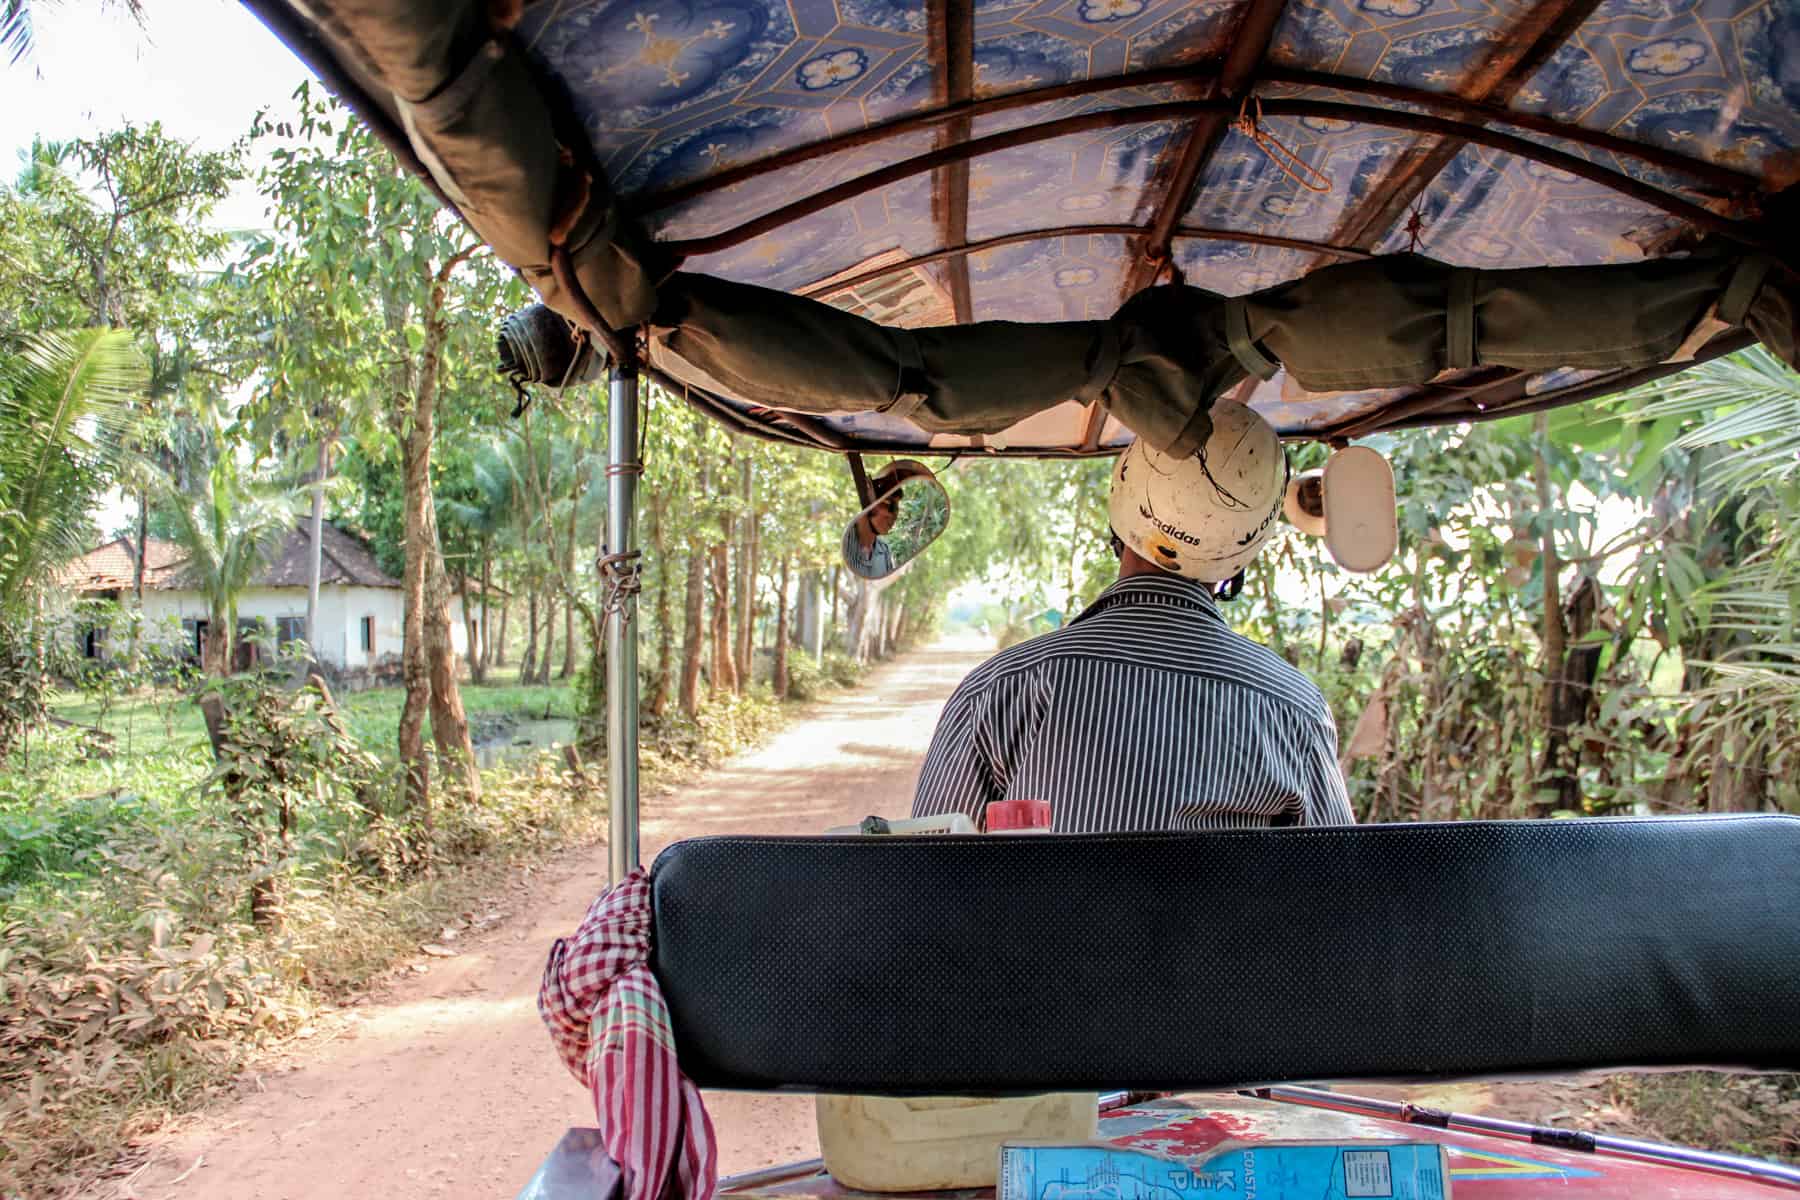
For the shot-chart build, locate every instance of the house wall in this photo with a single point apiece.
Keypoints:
(341, 610)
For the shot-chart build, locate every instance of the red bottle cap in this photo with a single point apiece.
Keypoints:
(1016, 815)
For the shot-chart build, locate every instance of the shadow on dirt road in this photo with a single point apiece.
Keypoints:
(448, 1087)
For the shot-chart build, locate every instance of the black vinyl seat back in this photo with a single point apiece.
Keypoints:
(1188, 961)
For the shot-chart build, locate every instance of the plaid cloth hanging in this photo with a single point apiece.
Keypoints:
(606, 1015)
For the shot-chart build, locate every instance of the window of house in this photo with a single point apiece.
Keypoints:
(368, 635)
(289, 629)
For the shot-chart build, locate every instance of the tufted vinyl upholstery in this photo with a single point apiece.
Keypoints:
(1173, 961)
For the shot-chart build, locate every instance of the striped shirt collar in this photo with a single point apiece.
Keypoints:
(1160, 588)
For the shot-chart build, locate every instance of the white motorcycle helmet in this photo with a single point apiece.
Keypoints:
(1203, 517)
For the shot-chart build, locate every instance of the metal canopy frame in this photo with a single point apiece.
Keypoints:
(1220, 110)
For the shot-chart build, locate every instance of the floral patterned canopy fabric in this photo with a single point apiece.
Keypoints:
(1586, 132)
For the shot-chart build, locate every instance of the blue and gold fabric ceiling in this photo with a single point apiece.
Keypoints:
(673, 91)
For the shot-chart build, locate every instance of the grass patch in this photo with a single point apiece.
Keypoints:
(132, 985)
(161, 721)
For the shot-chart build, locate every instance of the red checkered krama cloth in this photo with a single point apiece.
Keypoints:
(606, 1015)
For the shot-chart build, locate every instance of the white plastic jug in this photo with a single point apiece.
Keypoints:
(932, 1143)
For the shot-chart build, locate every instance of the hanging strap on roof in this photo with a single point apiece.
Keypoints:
(1746, 281)
(1243, 347)
(1105, 366)
(1459, 321)
(912, 388)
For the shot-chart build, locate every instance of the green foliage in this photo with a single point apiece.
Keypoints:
(806, 679)
(841, 669)
(1441, 655)
(15, 29)
(813, 679)
(24, 683)
(227, 521)
(64, 399)
(111, 230)
(285, 767)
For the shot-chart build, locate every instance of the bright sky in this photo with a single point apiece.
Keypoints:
(201, 67)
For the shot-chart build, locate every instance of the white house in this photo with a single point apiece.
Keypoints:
(360, 606)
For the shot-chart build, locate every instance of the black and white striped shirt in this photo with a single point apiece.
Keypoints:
(1146, 712)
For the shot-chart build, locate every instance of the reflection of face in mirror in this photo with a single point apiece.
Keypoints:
(909, 512)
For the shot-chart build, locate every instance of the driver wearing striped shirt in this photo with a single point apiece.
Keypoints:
(1147, 712)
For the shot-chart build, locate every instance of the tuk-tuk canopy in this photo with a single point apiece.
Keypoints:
(933, 163)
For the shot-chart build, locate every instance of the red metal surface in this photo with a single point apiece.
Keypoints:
(1481, 1168)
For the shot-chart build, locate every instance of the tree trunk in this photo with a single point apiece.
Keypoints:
(755, 606)
(498, 658)
(1556, 782)
(746, 577)
(528, 663)
(810, 613)
(891, 639)
(1571, 692)
(724, 677)
(478, 656)
(471, 629)
(215, 656)
(836, 591)
(143, 544)
(568, 666)
(665, 635)
(780, 670)
(693, 632)
(1325, 625)
(415, 672)
(568, 581)
(1435, 803)
(859, 622)
(315, 555)
(429, 658)
(449, 723)
(548, 654)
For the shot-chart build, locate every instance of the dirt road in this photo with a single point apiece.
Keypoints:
(448, 1087)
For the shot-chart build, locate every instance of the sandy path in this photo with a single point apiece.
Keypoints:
(447, 1086)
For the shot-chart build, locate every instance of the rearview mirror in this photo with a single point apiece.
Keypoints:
(910, 510)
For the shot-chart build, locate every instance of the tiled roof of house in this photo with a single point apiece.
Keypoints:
(345, 560)
(114, 565)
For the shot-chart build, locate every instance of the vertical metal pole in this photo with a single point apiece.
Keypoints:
(622, 473)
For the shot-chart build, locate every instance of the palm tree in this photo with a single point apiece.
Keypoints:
(15, 29)
(228, 523)
(487, 516)
(1746, 661)
(15, 25)
(1747, 445)
(65, 399)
